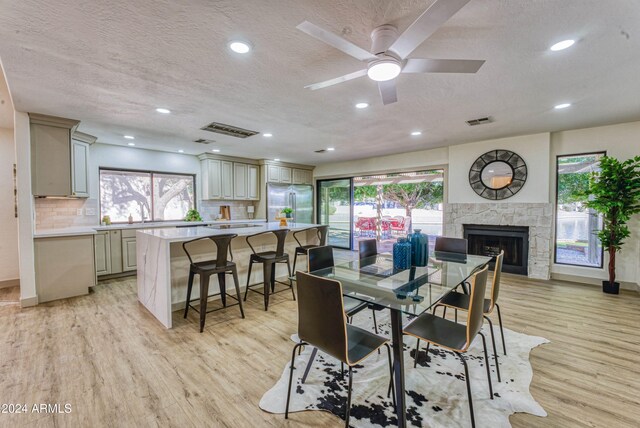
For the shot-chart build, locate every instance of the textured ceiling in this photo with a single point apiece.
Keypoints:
(110, 64)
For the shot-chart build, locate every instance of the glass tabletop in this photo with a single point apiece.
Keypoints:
(413, 291)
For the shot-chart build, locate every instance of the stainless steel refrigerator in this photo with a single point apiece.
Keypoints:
(298, 197)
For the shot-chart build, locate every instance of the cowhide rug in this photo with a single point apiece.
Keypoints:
(435, 391)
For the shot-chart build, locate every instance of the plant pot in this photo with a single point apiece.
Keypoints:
(287, 215)
(610, 289)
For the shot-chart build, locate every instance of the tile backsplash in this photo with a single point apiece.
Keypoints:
(61, 213)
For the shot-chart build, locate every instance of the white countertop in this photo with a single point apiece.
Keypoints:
(188, 233)
(91, 230)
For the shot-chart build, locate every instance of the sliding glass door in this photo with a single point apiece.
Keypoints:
(335, 199)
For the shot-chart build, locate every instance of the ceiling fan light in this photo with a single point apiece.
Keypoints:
(382, 71)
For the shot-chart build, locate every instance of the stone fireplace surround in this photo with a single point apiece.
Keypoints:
(537, 216)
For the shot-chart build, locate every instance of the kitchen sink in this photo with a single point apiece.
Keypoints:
(233, 226)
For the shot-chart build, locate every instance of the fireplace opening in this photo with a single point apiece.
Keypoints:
(489, 240)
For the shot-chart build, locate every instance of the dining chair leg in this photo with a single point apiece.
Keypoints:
(346, 424)
(293, 356)
(293, 292)
(342, 370)
(392, 390)
(464, 285)
(309, 363)
(189, 288)
(495, 351)
(486, 363)
(504, 348)
(375, 322)
(466, 377)
(246, 291)
(204, 294)
(415, 359)
(237, 286)
(295, 259)
(444, 312)
(455, 312)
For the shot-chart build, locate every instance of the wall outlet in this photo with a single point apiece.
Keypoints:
(90, 211)
(79, 211)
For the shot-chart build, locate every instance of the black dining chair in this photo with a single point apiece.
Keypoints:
(453, 336)
(221, 266)
(461, 301)
(367, 248)
(321, 233)
(322, 323)
(269, 260)
(446, 246)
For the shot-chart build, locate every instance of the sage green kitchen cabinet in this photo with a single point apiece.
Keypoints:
(59, 157)
(211, 173)
(240, 181)
(226, 179)
(301, 176)
(253, 182)
(129, 262)
(103, 253)
(64, 266)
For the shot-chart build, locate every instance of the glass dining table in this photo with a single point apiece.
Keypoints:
(409, 291)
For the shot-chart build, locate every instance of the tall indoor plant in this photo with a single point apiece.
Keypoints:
(614, 191)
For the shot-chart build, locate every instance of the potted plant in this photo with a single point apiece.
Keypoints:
(192, 215)
(287, 212)
(614, 192)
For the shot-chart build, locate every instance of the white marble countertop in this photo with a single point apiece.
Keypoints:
(188, 233)
(91, 230)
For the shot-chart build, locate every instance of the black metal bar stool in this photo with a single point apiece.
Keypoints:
(321, 232)
(221, 266)
(269, 260)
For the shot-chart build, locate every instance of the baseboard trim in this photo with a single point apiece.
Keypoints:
(29, 301)
(10, 283)
(592, 281)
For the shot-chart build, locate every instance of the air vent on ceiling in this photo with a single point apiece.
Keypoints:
(203, 141)
(480, 121)
(232, 131)
(320, 151)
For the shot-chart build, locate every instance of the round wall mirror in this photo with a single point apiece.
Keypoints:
(498, 174)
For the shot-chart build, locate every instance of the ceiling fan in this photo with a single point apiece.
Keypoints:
(389, 51)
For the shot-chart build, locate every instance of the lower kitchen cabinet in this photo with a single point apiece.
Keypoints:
(129, 250)
(103, 253)
(115, 251)
(64, 266)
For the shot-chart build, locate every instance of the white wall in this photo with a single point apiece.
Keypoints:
(623, 142)
(9, 264)
(534, 149)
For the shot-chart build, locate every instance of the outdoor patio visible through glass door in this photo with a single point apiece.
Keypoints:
(334, 208)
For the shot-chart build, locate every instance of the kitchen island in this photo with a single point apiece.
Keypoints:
(163, 267)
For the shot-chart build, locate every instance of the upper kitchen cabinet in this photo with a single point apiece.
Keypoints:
(59, 157)
(227, 178)
(288, 174)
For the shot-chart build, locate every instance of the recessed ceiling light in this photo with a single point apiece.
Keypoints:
(180, 151)
(491, 170)
(216, 150)
(362, 105)
(561, 106)
(330, 149)
(276, 159)
(132, 144)
(562, 45)
(129, 137)
(163, 110)
(416, 133)
(268, 135)
(239, 46)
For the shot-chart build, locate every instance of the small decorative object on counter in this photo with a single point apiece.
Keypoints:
(130, 219)
(419, 248)
(192, 215)
(287, 212)
(106, 220)
(401, 254)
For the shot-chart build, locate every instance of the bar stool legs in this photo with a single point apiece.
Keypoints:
(268, 281)
(204, 295)
(189, 287)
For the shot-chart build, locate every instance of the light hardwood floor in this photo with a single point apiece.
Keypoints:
(117, 366)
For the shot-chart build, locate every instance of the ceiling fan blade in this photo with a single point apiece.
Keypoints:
(417, 65)
(335, 41)
(337, 80)
(388, 91)
(426, 24)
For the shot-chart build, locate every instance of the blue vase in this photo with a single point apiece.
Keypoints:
(401, 254)
(419, 248)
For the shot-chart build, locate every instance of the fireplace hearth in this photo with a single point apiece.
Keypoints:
(489, 240)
